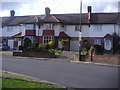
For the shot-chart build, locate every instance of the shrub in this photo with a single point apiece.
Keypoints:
(42, 48)
(84, 51)
(20, 47)
(26, 42)
(47, 46)
(116, 43)
(99, 49)
(86, 45)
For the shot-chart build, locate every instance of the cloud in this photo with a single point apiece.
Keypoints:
(37, 7)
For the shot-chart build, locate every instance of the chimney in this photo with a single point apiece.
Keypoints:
(89, 9)
(47, 11)
(12, 13)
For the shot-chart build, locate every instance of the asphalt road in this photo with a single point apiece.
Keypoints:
(64, 73)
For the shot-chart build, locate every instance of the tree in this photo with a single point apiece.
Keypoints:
(116, 43)
(26, 42)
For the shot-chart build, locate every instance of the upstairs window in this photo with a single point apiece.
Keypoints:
(48, 26)
(98, 28)
(30, 27)
(77, 28)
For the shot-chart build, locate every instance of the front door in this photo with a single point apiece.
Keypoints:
(108, 44)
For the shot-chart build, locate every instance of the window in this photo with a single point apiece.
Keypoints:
(48, 26)
(97, 42)
(30, 27)
(9, 28)
(98, 28)
(47, 39)
(77, 28)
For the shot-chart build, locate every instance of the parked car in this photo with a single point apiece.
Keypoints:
(4, 47)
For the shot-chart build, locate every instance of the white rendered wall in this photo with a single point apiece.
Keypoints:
(92, 31)
(8, 33)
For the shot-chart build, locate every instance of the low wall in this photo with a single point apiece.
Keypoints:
(111, 59)
(34, 54)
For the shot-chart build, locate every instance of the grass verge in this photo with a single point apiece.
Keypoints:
(19, 83)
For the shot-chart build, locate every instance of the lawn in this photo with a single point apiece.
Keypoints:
(19, 83)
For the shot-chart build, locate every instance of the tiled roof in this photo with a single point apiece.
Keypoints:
(31, 19)
(48, 32)
(17, 35)
(50, 19)
(63, 34)
(96, 18)
(107, 36)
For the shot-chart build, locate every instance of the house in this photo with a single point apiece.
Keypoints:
(97, 29)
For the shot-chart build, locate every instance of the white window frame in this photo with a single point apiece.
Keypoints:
(77, 28)
(30, 27)
(48, 26)
(47, 39)
(97, 42)
(98, 28)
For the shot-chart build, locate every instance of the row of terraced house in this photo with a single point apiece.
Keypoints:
(58, 27)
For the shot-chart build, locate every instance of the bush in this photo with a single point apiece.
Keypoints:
(20, 47)
(84, 51)
(116, 43)
(42, 48)
(26, 43)
(47, 46)
(99, 49)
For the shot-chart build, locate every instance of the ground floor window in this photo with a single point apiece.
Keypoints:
(47, 39)
(97, 42)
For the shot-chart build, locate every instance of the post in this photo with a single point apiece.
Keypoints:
(80, 32)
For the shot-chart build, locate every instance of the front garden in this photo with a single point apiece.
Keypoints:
(37, 50)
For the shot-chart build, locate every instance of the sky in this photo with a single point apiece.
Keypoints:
(37, 7)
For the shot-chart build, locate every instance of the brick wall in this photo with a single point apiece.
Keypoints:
(111, 59)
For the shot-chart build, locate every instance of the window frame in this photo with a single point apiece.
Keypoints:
(97, 42)
(47, 39)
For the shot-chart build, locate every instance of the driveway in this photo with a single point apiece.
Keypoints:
(62, 72)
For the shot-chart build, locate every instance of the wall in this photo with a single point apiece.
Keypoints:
(10, 32)
(93, 30)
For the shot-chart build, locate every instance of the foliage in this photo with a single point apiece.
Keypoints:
(116, 43)
(26, 43)
(99, 49)
(20, 47)
(51, 43)
(47, 46)
(92, 49)
(86, 45)
(42, 48)
(84, 51)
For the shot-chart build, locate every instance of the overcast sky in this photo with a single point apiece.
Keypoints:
(37, 7)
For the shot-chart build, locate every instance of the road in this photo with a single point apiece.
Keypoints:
(64, 73)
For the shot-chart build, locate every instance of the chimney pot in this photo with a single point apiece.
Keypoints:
(12, 13)
(47, 11)
(89, 9)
